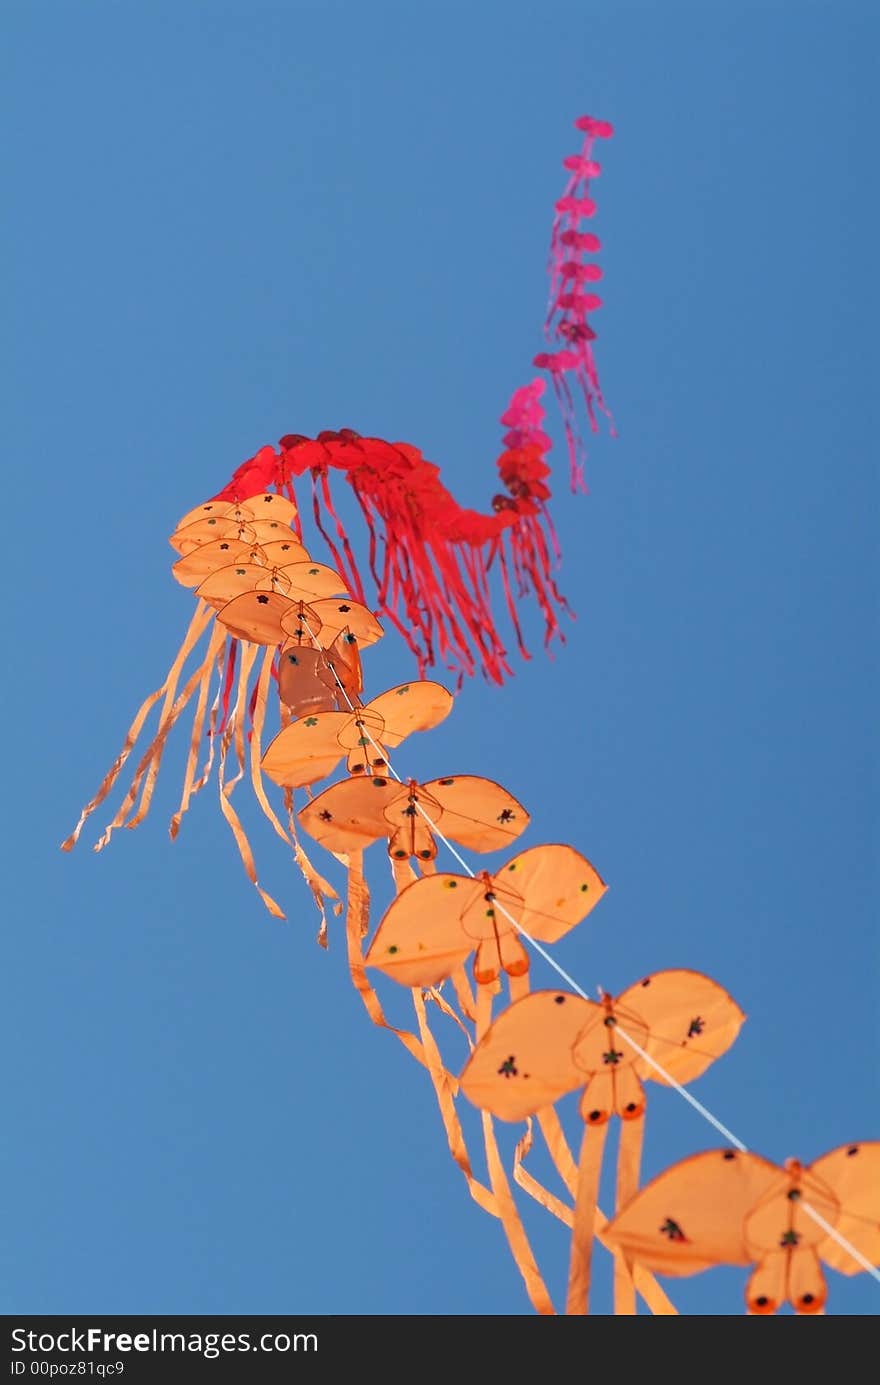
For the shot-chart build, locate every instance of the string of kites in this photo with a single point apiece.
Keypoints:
(271, 624)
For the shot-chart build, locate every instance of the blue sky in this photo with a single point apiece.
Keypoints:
(230, 221)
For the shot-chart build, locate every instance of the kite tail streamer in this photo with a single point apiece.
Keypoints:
(150, 759)
(356, 923)
(403, 874)
(514, 1230)
(629, 1158)
(654, 1296)
(445, 1087)
(513, 1227)
(529, 1184)
(589, 1166)
(197, 625)
(215, 654)
(433, 993)
(258, 722)
(321, 889)
(235, 732)
(211, 736)
(463, 993)
(170, 711)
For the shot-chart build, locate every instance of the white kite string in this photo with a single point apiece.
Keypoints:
(560, 971)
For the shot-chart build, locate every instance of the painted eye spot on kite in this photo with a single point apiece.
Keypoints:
(212, 521)
(240, 571)
(807, 1298)
(350, 639)
(380, 783)
(401, 691)
(631, 1106)
(647, 981)
(447, 782)
(425, 855)
(560, 999)
(729, 1154)
(789, 1238)
(313, 571)
(853, 1149)
(594, 1117)
(343, 609)
(612, 1057)
(363, 740)
(696, 1027)
(794, 1194)
(506, 816)
(508, 1067)
(310, 721)
(325, 816)
(451, 884)
(400, 855)
(357, 769)
(292, 659)
(223, 547)
(513, 865)
(378, 764)
(584, 889)
(672, 1229)
(490, 913)
(285, 547)
(263, 600)
(393, 949)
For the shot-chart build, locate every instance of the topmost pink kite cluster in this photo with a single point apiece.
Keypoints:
(571, 271)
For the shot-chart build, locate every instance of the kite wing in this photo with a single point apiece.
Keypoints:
(418, 706)
(852, 1172)
(350, 815)
(301, 581)
(690, 1019)
(255, 616)
(420, 939)
(524, 1061)
(201, 562)
(558, 887)
(307, 750)
(265, 505)
(224, 584)
(336, 616)
(693, 1215)
(476, 812)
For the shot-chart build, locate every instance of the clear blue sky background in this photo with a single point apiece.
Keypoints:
(227, 221)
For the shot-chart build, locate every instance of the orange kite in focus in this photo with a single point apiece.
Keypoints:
(728, 1207)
